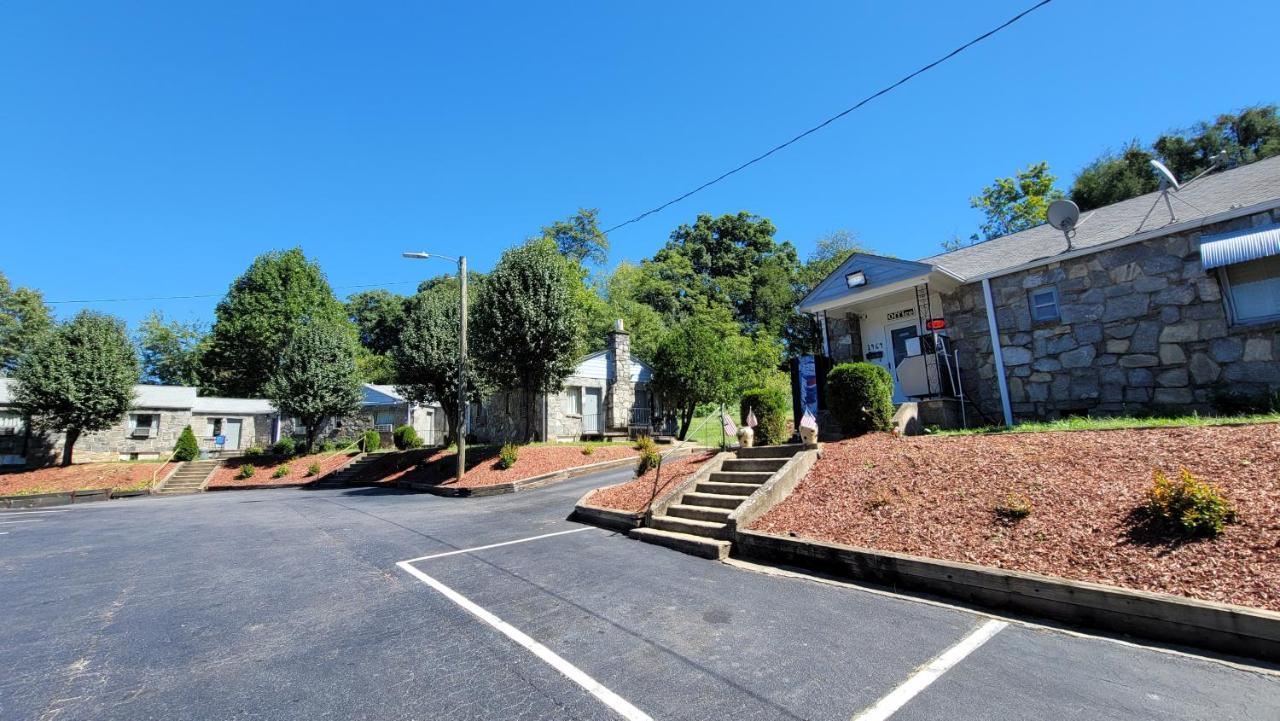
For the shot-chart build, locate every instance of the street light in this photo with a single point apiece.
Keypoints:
(460, 428)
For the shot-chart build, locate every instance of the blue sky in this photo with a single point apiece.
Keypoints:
(155, 148)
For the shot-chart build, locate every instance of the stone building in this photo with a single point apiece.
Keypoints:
(607, 395)
(1164, 303)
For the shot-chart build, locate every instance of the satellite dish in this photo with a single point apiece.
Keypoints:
(1166, 176)
(1063, 215)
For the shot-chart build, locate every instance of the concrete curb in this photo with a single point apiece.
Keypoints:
(60, 498)
(1220, 627)
(255, 487)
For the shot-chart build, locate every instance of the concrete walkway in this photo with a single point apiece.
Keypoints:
(294, 604)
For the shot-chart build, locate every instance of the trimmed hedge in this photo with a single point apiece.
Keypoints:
(286, 447)
(406, 438)
(860, 396)
(772, 407)
(186, 449)
(371, 441)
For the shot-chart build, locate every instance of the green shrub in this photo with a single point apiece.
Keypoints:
(649, 456)
(1014, 507)
(588, 450)
(772, 406)
(285, 447)
(645, 443)
(186, 449)
(313, 469)
(281, 471)
(406, 438)
(370, 441)
(508, 455)
(254, 451)
(326, 446)
(246, 471)
(860, 396)
(1187, 505)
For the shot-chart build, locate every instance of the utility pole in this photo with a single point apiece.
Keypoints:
(462, 367)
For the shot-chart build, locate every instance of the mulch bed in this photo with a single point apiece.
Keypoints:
(122, 474)
(936, 497)
(635, 496)
(437, 467)
(265, 466)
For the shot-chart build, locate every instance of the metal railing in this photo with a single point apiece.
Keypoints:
(641, 416)
(591, 424)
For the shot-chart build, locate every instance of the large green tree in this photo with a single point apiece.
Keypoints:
(78, 377)
(171, 350)
(696, 363)
(579, 237)
(315, 378)
(1232, 139)
(279, 292)
(526, 322)
(426, 357)
(1014, 204)
(23, 318)
(378, 316)
(1113, 178)
(620, 298)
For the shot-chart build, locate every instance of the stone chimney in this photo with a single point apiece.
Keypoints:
(622, 392)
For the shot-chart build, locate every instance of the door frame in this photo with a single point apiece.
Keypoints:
(239, 432)
(599, 408)
(889, 328)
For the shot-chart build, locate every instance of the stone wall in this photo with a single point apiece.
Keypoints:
(500, 418)
(115, 443)
(621, 394)
(569, 425)
(1143, 329)
(255, 429)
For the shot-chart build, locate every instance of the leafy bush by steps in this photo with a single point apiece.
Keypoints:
(406, 438)
(186, 448)
(649, 457)
(860, 396)
(246, 471)
(281, 471)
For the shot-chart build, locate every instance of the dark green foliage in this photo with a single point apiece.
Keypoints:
(772, 407)
(246, 471)
(171, 350)
(186, 449)
(280, 291)
(78, 377)
(23, 318)
(281, 471)
(695, 364)
(406, 438)
(1188, 506)
(426, 358)
(378, 316)
(1111, 179)
(370, 441)
(526, 323)
(860, 396)
(286, 447)
(579, 237)
(315, 378)
(508, 455)
(252, 451)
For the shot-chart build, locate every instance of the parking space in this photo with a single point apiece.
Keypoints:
(291, 605)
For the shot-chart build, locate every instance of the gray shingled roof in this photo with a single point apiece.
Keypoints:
(1216, 193)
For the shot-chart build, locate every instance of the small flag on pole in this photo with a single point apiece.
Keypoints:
(730, 428)
(751, 418)
(808, 421)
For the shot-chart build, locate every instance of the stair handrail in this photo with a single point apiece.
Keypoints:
(156, 472)
(342, 450)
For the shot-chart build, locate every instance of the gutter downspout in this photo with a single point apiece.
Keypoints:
(998, 352)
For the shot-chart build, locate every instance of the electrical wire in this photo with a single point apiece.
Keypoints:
(835, 117)
(214, 295)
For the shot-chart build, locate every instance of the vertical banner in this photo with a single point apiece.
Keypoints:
(808, 385)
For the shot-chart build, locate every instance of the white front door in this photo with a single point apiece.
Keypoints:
(231, 429)
(896, 352)
(590, 410)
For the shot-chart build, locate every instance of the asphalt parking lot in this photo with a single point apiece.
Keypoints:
(290, 604)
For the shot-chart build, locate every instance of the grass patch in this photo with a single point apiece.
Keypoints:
(1116, 423)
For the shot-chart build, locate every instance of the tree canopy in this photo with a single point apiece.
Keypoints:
(526, 322)
(171, 350)
(578, 237)
(695, 364)
(1113, 178)
(378, 316)
(78, 377)
(426, 357)
(23, 318)
(280, 291)
(316, 377)
(1014, 204)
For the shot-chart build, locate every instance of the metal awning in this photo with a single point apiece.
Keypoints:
(1239, 246)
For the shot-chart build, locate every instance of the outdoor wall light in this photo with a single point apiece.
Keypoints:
(855, 279)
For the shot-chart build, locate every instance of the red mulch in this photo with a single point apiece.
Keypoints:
(636, 495)
(935, 497)
(437, 468)
(225, 475)
(121, 474)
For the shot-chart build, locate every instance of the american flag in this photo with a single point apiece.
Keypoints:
(808, 421)
(751, 418)
(730, 428)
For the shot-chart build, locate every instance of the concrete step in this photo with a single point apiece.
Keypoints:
(693, 527)
(716, 500)
(783, 451)
(693, 545)
(700, 513)
(753, 464)
(727, 489)
(756, 477)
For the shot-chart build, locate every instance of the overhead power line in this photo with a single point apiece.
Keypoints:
(833, 118)
(213, 295)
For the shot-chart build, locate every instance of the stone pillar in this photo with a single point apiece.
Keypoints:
(622, 392)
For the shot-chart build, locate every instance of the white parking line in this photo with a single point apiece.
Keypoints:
(920, 680)
(31, 520)
(26, 513)
(615, 702)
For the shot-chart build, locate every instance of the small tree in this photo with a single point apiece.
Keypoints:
(426, 356)
(316, 377)
(526, 323)
(186, 449)
(772, 407)
(694, 364)
(78, 378)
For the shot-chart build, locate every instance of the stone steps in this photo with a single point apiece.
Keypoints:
(687, 543)
(756, 477)
(727, 489)
(766, 465)
(700, 513)
(190, 477)
(717, 500)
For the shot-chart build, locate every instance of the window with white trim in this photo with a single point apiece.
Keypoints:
(1044, 304)
(144, 425)
(573, 401)
(1253, 290)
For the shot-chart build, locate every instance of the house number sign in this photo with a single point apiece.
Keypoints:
(900, 314)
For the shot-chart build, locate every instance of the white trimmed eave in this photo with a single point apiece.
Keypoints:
(937, 278)
(1172, 229)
